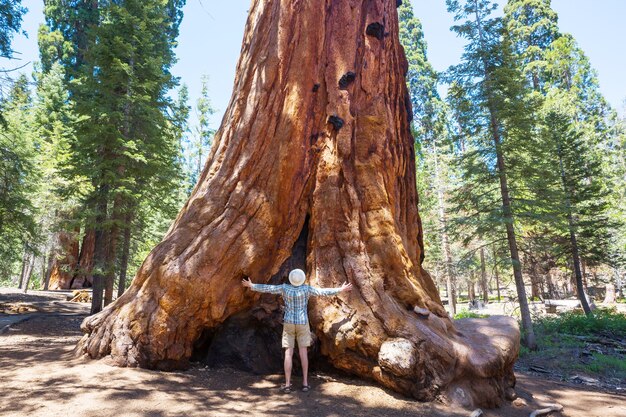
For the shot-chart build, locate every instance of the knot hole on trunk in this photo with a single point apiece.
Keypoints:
(346, 79)
(336, 121)
(376, 30)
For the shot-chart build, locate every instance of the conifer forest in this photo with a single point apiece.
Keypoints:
(478, 211)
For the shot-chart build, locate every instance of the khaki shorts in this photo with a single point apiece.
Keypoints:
(293, 332)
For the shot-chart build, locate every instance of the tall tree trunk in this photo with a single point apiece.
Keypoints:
(483, 276)
(316, 145)
(46, 284)
(580, 287)
(112, 251)
(527, 323)
(65, 260)
(495, 271)
(28, 273)
(121, 287)
(550, 283)
(471, 288)
(43, 270)
(25, 259)
(529, 337)
(100, 250)
(618, 282)
(535, 279)
(445, 245)
(583, 269)
(83, 276)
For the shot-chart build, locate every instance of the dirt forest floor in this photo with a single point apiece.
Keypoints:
(40, 377)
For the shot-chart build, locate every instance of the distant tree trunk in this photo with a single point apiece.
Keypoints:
(314, 158)
(46, 284)
(583, 269)
(580, 287)
(65, 254)
(483, 276)
(111, 254)
(550, 283)
(618, 283)
(28, 273)
(471, 289)
(445, 245)
(527, 323)
(125, 252)
(25, 261)
(535, 279)
(42, 270)
(100, 250)
(83, 275)
(495, 271)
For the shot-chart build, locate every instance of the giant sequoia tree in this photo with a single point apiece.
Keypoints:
(313, 166)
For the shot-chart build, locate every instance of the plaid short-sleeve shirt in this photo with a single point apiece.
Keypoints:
(296, 299)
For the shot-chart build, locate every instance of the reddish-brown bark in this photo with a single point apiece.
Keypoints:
(82, 277)
(64, 261)
(315, 143)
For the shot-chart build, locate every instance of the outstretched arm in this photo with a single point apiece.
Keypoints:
(326, 292)
(271, 289)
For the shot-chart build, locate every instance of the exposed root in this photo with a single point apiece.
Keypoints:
(549, 409)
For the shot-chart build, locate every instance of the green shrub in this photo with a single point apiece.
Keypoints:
(466, 314)
(608, 364)
(603, 321)
(524, 351)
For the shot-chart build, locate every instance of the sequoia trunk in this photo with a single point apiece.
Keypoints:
(83, 277)
(64, 260)
(315, 144)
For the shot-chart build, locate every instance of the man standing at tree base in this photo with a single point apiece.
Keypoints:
(296, 320)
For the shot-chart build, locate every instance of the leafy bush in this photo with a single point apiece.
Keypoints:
(466, 314)
(605, 364)
(603, 321)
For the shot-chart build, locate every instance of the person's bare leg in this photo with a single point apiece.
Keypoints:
(304, 360)
(288, 365)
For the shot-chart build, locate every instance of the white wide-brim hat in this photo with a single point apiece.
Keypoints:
(297, 277)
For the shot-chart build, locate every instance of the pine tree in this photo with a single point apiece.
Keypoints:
(202, 132)
(65, 37)
(492, 107)
(54, 121)
(11, 14)
(18, 179)
(117, 56)
(574, 125)
(569, 183)
(430, 129)
(532, 26)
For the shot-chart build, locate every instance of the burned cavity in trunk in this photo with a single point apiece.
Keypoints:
(251, 340)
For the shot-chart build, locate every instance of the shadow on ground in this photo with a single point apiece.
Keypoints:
(41, 377)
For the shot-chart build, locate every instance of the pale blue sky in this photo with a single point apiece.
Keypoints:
(212, 30)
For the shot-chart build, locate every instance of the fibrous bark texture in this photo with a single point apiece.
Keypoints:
(64, 262)
(286, 183)
(82, 277)
(69, 267)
